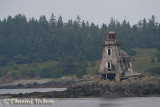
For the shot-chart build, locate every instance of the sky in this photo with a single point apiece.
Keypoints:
(96, 11)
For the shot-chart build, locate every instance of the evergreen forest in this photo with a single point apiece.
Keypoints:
(71, 44)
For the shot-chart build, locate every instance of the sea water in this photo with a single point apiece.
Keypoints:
(82, 102)
(95, 102)
(29, 90)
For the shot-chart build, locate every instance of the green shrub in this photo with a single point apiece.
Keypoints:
(93, 64)
(64, 68)
(152, 60)
(15, 67)
(3, 60)
(51, 72)
(29, 72)
(158, 57)
(3, 72)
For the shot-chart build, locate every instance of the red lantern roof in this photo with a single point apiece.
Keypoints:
(111, 33)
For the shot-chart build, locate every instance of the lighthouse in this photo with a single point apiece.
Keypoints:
(115, 63)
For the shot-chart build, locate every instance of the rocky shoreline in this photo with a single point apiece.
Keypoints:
(62, 82)
(132, 87)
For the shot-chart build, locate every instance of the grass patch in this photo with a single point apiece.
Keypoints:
(142, 61)
(154, 71)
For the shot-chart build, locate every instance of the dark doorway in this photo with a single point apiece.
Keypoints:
(104, 76)
(111, 76)
(124, 61)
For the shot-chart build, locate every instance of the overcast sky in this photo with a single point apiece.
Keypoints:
(97, 11)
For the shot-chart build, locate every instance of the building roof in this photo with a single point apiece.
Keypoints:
(111, 33)
(123, 53)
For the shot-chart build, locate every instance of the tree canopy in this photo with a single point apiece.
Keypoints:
(27, 41)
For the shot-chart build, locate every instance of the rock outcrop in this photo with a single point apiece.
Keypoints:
(98, 88)
(62, 82)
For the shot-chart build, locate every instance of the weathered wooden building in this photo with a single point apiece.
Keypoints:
(115, 63)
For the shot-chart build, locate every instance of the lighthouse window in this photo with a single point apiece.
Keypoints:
(108, 64)
(108, 51)
(110, 37)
